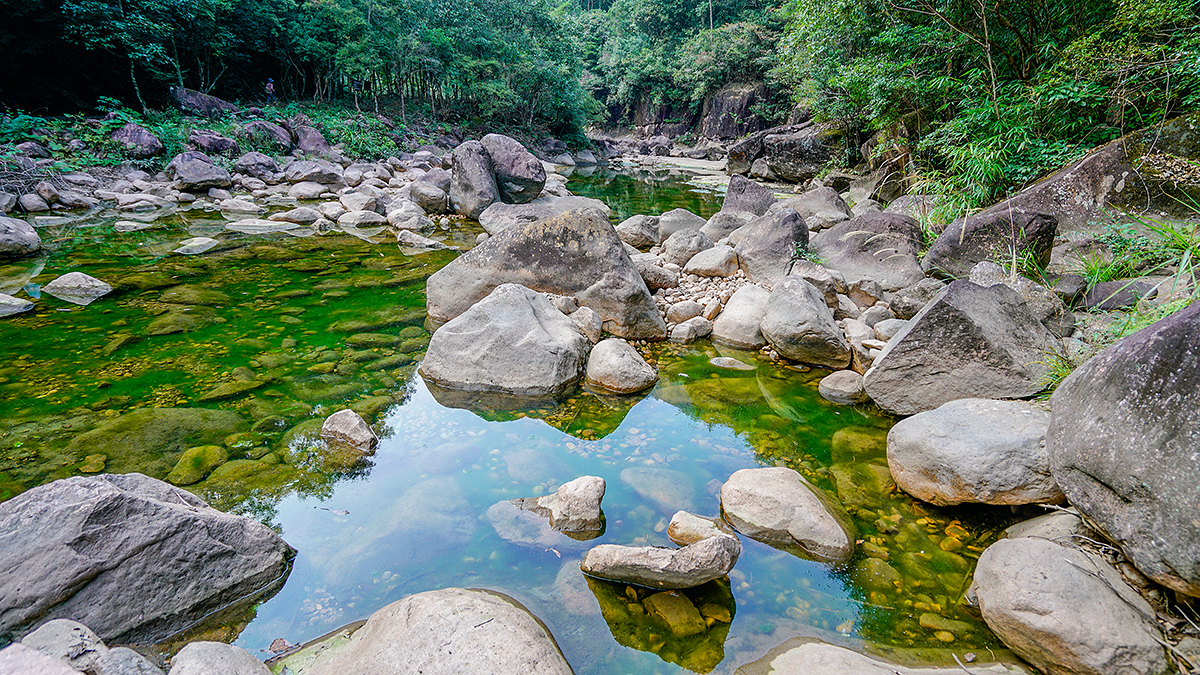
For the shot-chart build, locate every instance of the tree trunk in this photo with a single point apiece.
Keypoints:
(137, 90)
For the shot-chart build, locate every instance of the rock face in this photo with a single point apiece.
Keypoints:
(745, 195)
(768, 245)
(616, 366)
(137, 141)
(1066, 611)
(1123, 441)
(799, 325)
(472, 182)
(991, 235)
(446, 632)
(348, 428)
(778, 506)
(799, 155)
(1042, 302)
(974, 450)
(969, 342)
(195, 172)
(513, 341)
(655, 567)
(18, 238)
(821, 207)
(520, 176)
(577, 253)
(193, 102)
(879, 246)
(132, 557)
(738, 324)
(207, 658)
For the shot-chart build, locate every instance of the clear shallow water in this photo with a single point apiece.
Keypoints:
(301, 327)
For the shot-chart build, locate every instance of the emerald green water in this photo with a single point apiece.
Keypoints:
(282, 331)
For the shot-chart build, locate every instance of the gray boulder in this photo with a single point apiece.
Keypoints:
(769, 244)
(745, 195)
(797, 156)
(447, 632)
(738, 324)
(969, 342)
(436, 176)
(800, 326)
(261, 133)
(1042, 302)
(678, 219)
(310, 140)
(778, 506)
(974, 450)
(1066, 611)
(68, 640)
(210, 142)
(908, 301)
(576, 253)
(879, 246)
(513, 341)
(210, 658)
(653, 273)
(616, 366)
(724, 223)
(10, 305)
(991, 235)
(473, 181)
(18, 238)
(718, 261)
(639, 231)
(256, 165)
(313, 171)
(681, 246)
(192, 102)
(431, 198)
(1122, 443)
(77, 288)
(157, 559)
(799, 656)
(845, 387)
(33, 203)
(195, 172)
(820, 207)
(666, 568)
(137, 141)
(688, 528)
(17, 659)
(575, 505)
(501, 216)
(519, 175)
(346, 428)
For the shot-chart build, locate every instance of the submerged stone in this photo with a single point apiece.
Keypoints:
(196, 463)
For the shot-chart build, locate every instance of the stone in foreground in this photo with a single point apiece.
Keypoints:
(513, 341)
(1123, 443)
(576, 253)
(845, 387)
(656, 567)
(974, 450)
(968, 342)
(807, 656)
(348, 428)
(210, 658)
(1065, 611)
(446, 632)
(616, 366)
(778, 506)
(133, 558)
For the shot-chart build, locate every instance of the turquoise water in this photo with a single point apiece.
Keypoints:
(299, 327)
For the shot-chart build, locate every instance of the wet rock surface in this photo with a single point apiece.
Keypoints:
(777, 505)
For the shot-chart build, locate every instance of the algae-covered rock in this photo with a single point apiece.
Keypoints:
(150, 440)
(196, 463)
(193, 295)
(183, 319)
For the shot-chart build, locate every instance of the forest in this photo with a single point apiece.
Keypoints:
(989, 94)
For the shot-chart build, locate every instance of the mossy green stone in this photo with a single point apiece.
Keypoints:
(196, 463)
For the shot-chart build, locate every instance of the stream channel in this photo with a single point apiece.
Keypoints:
(275, 332)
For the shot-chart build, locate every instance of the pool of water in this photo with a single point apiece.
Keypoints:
(277, 332)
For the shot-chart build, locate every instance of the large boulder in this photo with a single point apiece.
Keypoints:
(654, 567)
(1122, 443)
(266, 134)
(820, 207)
(256, 165)
(137, 141)
(1066, 611)
(310, 139)
(576, 253)
(520, 176)
(678, 219)
(616, 366)
(18, 238)
(747, 196)
(313, 171)
(210, 142)
(1042, 302)
(131, 557)
(738, 324)
(769, 244)
(473, 180)
(209, 658)
(800, 656)
(446, 632)
(195, 172)
(681, 246)
(879, 246)
(513, 341)
(778, 506)
(742, 154)
(639, 231)
(969, 342)
(501, 215)
(575, 505)
(994, 234)
(799, 155)
(974, 450)
(800, 326)
(192, 102)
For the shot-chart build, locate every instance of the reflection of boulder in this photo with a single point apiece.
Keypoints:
(573, 510)
(670, 626)
(585, 415)
(523, 526)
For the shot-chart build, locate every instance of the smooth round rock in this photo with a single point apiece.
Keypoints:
(616, 366)
(845, 387)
